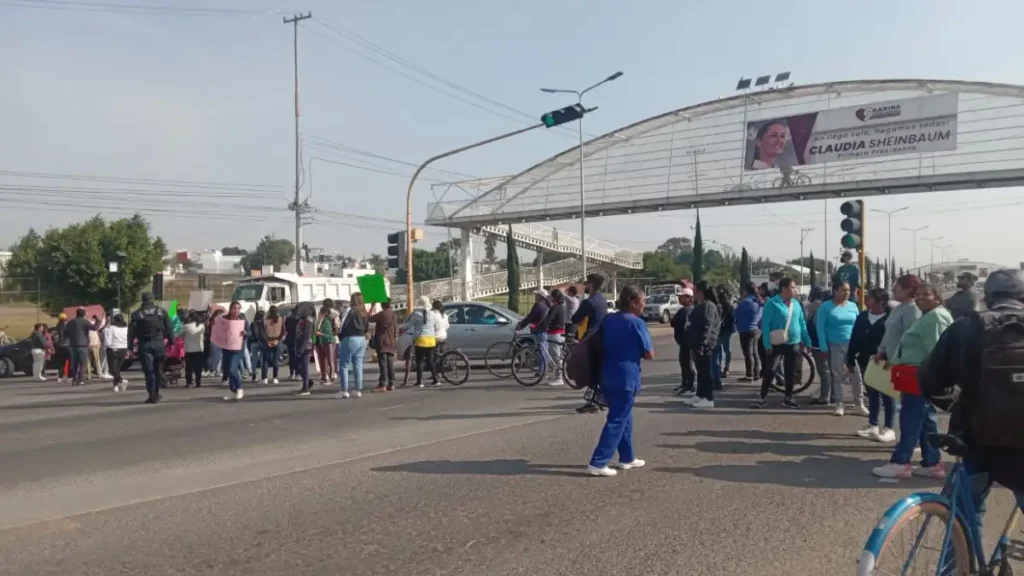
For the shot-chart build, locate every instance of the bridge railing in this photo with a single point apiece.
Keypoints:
(569, 242)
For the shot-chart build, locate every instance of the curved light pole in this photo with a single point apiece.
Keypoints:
(914, 231)
(583, 218)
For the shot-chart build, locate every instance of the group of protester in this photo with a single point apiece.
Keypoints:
(82, 348)
(703, 328)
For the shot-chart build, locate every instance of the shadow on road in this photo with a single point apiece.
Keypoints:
(761, 435)
(777, 448)
(833, 472)
(515, 467)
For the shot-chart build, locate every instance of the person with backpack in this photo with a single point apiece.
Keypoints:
(702, 337)
(624, 343)
(974, 373)
(422, 327)
(918, 419)
(679, 323)
(784, 334)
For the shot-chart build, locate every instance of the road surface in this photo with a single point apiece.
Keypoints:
(483, 479)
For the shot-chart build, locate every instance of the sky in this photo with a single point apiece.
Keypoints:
(188, 115)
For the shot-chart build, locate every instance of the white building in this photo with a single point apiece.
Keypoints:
(213, 262)
(4, 257)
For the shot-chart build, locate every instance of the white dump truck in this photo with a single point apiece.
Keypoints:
(284, 289)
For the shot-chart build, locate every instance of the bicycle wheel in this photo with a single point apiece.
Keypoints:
(566, 353)
(498, 359)
(909, 539)
(454, 367)
(804, 375)
(524, 367)
(803, 180)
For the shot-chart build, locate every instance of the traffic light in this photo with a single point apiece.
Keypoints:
(396, 250)
(567, 114)
(853, 224)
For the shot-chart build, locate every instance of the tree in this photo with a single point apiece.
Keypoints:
(490, 249)
(378, 262)
(892, 271)
(427, 265)
(659, 266)
(901, 272)
(70, 264)
(512, 262)
(233, 251)
(867, 273)
(878, 276)
(745, 268)
(698, 253)
(270, 252)
(814, 271)
(675, 245)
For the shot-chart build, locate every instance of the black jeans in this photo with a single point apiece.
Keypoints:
(194, 363)
(686, 366)
(787, 354)
(114, 360)
(302, 366)
(705, 379)
(386, 363)
(152, 356)
(425, 355)
(751, 354)
(271, 359)
(79, 364)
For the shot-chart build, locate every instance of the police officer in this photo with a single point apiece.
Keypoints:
(151, 326)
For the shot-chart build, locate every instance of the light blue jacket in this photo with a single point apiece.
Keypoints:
(773, 317)
(835, 323)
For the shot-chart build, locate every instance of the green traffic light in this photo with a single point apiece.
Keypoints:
(851, 241)
(549, 120)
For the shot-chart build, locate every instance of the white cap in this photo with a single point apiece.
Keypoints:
(541, 292)
(687, 292)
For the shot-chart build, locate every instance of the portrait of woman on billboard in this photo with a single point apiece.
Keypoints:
(769, 146)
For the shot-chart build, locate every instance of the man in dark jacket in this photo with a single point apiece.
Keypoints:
(950, 378)
(550, 332)
(151, 327)
(702, 337)
(289, 341)
(303, 343)
(76, 335)
(592, 310)
(964, 301)
(385, 336)
(679, 322)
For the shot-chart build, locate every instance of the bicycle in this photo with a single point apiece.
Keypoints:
(805, 360)
(524, 363)
(499, 355)
(453, 366)
(960, 552)
(791, 179)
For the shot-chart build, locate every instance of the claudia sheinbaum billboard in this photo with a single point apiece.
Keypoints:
(909, 126)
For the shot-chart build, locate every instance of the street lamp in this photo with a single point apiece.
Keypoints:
(931, 242)
(114, 267)
(889, 213)
(914, 231)
(583, 218)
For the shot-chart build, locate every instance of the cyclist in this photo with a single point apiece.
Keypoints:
(959, 365)
(550, 333)
(536, 315)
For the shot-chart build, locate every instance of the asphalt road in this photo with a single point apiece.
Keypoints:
(486, 479)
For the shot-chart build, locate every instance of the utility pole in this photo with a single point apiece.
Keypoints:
(803, 234)
(297, 206)
(914, 231)
(889, 214)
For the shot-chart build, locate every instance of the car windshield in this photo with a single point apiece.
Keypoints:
(248, 292)
(513, 316)
(658, 299)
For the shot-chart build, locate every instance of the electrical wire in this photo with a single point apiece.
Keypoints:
(118, 8)
(361, 152)
(201, 184)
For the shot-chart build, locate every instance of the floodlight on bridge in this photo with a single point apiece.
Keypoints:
(762, 80)
(565, 115)
(852, 224)
(743, 84)
(782, 76)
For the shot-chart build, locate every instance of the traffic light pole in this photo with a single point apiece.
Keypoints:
(863, 260)
(410, 295)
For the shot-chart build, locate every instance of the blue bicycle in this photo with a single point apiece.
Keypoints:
(936, 534)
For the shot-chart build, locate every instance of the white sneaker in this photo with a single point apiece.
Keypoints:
(839, 411)
(240, 394)
(703, 403)
(690, 394)
(275, 381)
(868, 432)
(117, 388)
(342, 394)
(60, 380)
(636, 463)
(862, 409)
(107, 377)
(358, 394)
(891, 470)
(265, 381)
(232, 396)
(886, 436)
(41, 379)
(124, 384)
(556, 382)
(606, 471)
(689, 400)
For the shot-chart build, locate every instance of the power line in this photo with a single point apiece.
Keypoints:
(146, 181)
(110, 7)
(361, 152)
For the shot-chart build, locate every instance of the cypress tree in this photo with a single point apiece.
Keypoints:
(512, 265)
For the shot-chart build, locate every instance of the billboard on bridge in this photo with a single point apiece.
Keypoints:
(909, 126)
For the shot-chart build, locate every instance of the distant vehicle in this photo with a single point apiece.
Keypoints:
(661, 307)
(473, 328)
(17, 357)
(282, 288)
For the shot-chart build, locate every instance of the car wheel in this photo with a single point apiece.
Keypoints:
(666, 317)
(6, 368)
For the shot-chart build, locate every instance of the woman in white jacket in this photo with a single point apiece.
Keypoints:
(115, 335)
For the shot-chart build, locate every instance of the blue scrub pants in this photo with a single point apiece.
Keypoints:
(618, 429)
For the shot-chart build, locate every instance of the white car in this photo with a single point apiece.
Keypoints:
(473, 327)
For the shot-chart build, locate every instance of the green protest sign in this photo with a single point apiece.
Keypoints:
(374, 288)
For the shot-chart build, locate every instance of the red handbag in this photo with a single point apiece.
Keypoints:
(904, 379)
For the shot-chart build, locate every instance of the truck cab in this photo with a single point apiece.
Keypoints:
(283, 289)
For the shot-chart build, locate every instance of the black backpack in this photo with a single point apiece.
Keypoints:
(997, 414)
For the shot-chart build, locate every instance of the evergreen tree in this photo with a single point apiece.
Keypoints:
(697, 266)
(814, 272)
(901, 272)
(892, 271)
(512, 265)
(878, 277)
(745, 268)
(867, 273)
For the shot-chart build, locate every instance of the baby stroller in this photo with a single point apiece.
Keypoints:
(174, 363)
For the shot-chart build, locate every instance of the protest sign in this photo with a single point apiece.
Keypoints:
(374, 288)
(227, 334)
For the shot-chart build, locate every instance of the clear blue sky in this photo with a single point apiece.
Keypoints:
(209, 98)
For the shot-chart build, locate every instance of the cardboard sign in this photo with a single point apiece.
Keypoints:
(227, 334)
(880, 379)
(200, 299)
(374, 288)
(90, 311)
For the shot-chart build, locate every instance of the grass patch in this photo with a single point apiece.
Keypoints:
(19, 318)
